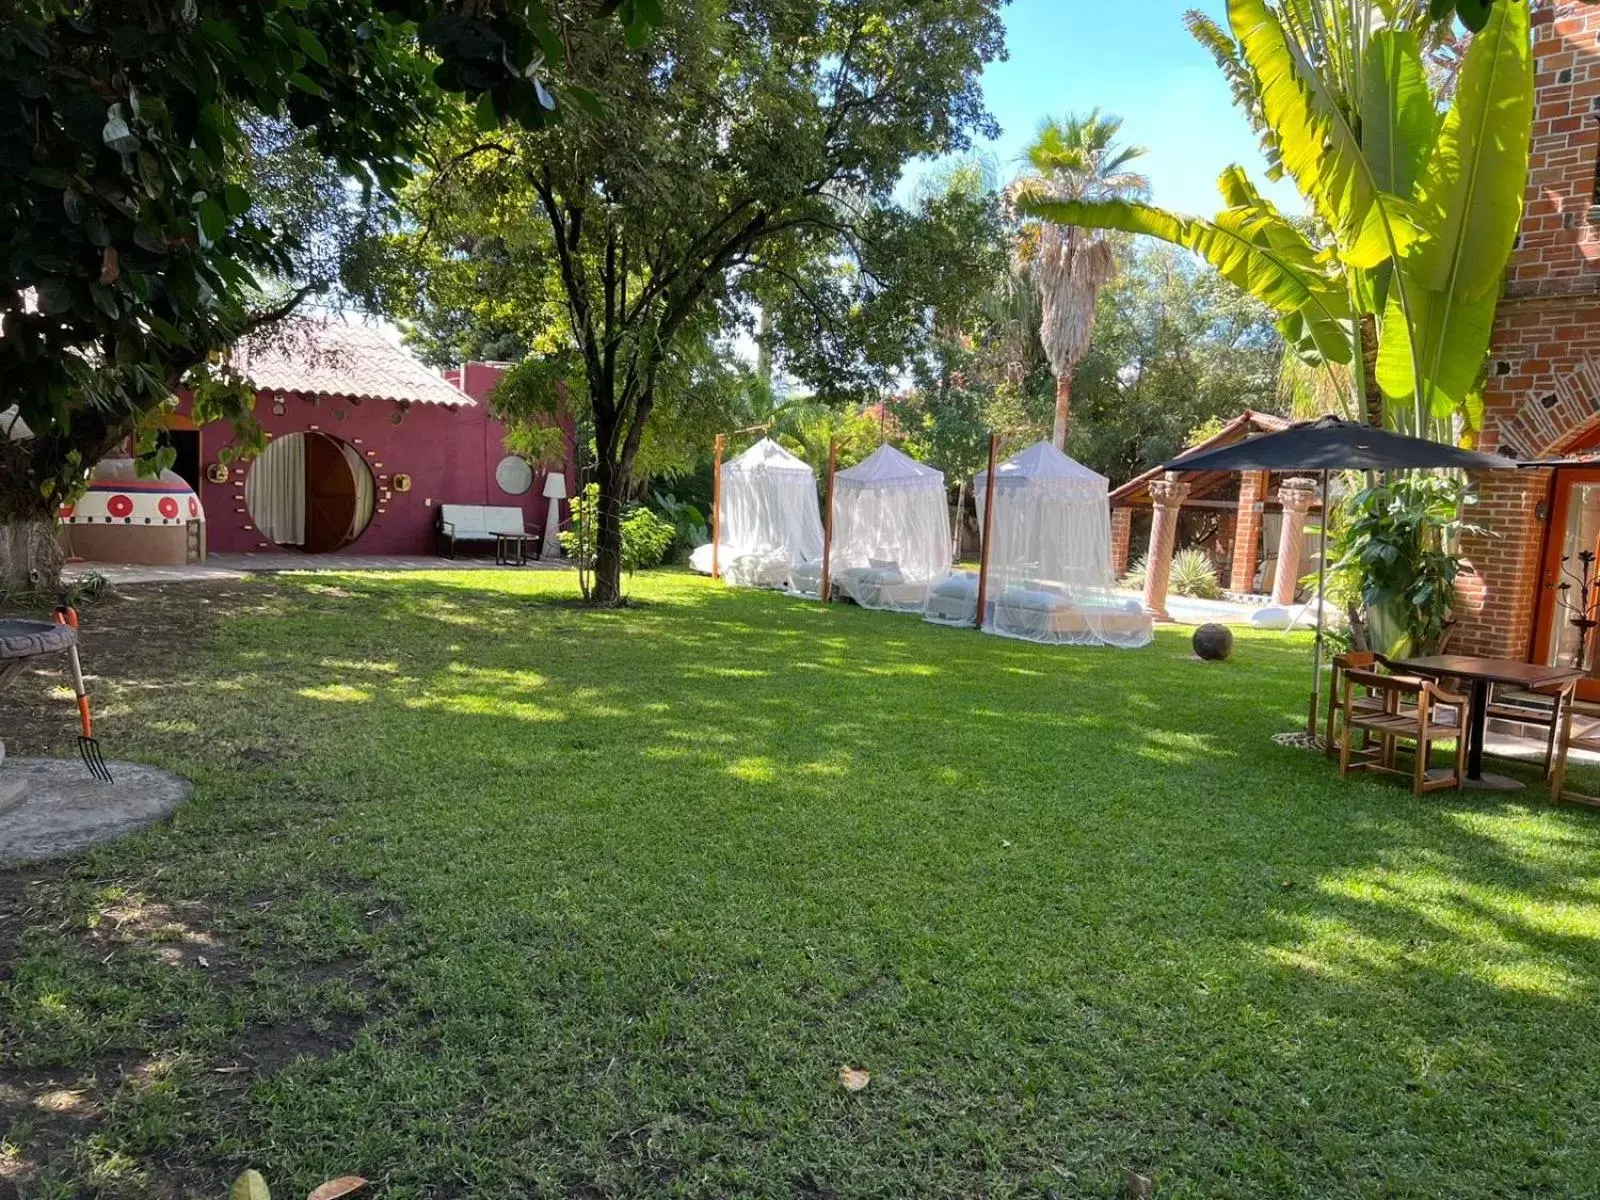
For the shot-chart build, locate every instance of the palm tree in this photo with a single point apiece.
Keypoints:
(1072, 160)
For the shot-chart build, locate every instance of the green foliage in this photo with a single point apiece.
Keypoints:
(136, 249)
(714, 186)
(1415, 216)
(646, 537)
(1175, 347)
(1391, 543)
(689, 525)
(1194, 574)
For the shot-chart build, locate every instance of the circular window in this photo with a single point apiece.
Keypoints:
(514, 475)
(310, 491)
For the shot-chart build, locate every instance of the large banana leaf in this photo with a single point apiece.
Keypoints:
(1248, 248)
(1469, 205)
(1470, 194)
(1452, 341)
(1320, 147)
(1398, 121)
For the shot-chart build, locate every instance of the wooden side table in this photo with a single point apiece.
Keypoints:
(511, 549)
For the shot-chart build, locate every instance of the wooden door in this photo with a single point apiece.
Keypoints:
(1572, 531)
(330, 495)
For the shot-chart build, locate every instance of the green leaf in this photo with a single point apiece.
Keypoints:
(586, 100)
(1469, 206)
(1398, 120)
(54, 294)
(213, 221)
(1452, 342)
(312, 47)
(1252, 248)
(1320, 147)
(306, 84)
(236, 199)
(485, 115)
(1470, 197)
(105, 300)
(249, 1186)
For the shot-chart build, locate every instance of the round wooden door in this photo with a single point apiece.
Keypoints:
(330, 495)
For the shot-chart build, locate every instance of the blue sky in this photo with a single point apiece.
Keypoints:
(1133, 58)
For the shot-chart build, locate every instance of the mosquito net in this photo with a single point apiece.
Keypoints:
(891, 531)
(1050, 561)
(770, 517)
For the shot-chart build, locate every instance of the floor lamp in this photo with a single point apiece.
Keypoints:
(555, 491)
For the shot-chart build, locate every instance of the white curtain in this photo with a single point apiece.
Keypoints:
(771, 522)
(1050, 558)
(275, 491)
(365, 497)
(891, 531)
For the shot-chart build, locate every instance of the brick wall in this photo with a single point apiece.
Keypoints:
(1543, 392)
(1121, 540)
(1247, 534)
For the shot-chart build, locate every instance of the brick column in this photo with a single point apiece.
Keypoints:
(1121, 536)
(1296, 496)
(1166, 494)
(1247, 534)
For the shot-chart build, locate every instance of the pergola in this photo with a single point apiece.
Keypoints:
(1239, 500)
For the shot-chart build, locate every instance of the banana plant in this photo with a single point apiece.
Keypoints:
(1414, 216)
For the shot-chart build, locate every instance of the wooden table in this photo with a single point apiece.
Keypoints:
(1480, 673)
(511, 549)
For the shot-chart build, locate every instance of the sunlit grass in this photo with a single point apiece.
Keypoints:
(597, 904)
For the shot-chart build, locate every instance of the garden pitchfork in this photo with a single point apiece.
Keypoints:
(88, 748)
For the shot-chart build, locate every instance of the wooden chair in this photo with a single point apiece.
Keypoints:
(1578, 731)
(1542, 707)
(1414, 710)
(1365, 701)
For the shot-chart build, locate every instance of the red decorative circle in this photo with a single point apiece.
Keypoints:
(119, 506)
(168, 508)
(194, 507)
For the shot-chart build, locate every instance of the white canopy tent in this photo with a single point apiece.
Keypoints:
(891, 532)
(1049, 561)
(770, 520)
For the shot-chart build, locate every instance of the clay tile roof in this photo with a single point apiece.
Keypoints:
(1246, 424)
(326, 358)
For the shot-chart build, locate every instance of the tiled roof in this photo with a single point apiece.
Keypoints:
(1246, 424)
(327, 358)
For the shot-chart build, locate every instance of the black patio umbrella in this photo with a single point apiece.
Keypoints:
(1331, 444)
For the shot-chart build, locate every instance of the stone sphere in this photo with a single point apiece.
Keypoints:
(1213, 642)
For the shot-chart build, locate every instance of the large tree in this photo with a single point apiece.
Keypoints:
(746, 158)
(1077, 159)
(135, 250)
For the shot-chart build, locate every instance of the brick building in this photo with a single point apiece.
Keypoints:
(1543, 395)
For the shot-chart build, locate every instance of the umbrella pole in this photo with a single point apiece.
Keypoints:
(1322, 588)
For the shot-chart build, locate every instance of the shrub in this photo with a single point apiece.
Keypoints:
(688, 524)
(1193, 574)
(645, 536)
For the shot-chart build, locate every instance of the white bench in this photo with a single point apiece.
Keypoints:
(472, 523)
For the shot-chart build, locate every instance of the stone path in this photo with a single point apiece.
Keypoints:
(241, 566)
(60, 809)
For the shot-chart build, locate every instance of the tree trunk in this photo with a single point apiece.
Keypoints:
(30, 557)
(1058, 435)
(1371, 396)
(613, 485)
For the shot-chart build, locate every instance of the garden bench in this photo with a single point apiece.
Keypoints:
(474, 523)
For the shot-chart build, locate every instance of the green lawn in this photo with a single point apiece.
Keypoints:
(498, 897)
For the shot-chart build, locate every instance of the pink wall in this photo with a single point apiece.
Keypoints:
(450, 454)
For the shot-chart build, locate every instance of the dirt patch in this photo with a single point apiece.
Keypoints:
(133, 640)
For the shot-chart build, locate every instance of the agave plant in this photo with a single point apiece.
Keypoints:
(1415, 214)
